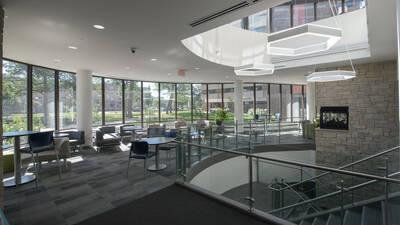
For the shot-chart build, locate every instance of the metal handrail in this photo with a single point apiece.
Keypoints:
(348, 165)
(308, 165)
(355, 187)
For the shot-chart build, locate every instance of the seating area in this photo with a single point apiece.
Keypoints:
(200, 112)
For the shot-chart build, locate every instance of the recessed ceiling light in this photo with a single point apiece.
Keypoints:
(73, 47)
(99, 27)
(197, 68)
(153, 60)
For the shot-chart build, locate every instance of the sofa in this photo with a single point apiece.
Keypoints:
(76, 139)
(107, 137)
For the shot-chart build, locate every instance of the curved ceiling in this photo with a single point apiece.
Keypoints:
(40, 31)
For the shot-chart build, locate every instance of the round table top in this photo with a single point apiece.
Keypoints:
(19, 133)
(157, 140)
(132, 128)
(60, 135)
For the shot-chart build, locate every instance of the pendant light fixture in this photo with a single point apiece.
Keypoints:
(334, 75)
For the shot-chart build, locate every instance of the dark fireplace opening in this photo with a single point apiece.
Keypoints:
(336, 118)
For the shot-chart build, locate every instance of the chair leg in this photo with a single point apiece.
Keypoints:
(36, 171)
(127, 171)
(59, 165)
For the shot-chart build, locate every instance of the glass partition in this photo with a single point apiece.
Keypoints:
(275, 98)
(214, 99)
(67, 103)
(262, 103)
(15, 106)
(248, 102)
(97, 106)
(133, 98)
(259, 21)
(43, 92)
(229, 102)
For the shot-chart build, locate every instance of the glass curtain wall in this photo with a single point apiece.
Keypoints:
(43, 92)
(15, 100)
(286, 103)
(303, 13)
(199, 101)
(67, 102)
(297, 102)
(229, 102)
(97, 106)
(214, 99)
(259, 21)
(184, 102)
(113, 101)
(150, 103)
(133, 102)
(324, 10)
(281, 18)
(262, 103)
(167, 97)
(275, 105)
(248, 102)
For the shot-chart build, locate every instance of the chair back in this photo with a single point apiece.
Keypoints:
(140, 147)
(41, 140)
(156, 132)
(107, 130)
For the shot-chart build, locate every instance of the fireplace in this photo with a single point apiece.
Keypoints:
(336, 118)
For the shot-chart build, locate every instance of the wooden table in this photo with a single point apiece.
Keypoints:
(156, 141)
(18, 179)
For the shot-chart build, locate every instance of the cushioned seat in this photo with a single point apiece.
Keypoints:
(106, 136)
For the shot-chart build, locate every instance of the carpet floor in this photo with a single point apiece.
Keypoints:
(173, 205)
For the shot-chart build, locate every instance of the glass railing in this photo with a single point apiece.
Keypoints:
(289, 190)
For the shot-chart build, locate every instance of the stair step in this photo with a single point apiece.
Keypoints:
(393, 212)
(371, 215)
(306, 222)
(333, 220)
(352, 218)
(319, 221)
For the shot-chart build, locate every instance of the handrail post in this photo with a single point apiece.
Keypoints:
(386, 191)
(279, 130)
(352, 181)
(250, 133)
(265, 128)
(250, 198)
(223, 135)
(236, 135)
(189, 148)
(342, 202)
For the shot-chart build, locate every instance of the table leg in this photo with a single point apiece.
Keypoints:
(157, 166)
(18, 179)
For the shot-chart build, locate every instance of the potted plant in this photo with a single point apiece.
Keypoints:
(220, 116)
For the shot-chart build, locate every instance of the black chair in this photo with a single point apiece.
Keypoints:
(41, 142)
(140, 150)
(170, 146)
(76, 139)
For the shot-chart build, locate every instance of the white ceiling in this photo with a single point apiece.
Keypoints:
(40, 31)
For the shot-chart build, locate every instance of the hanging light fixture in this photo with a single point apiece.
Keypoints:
(334, 75)
(304, 39)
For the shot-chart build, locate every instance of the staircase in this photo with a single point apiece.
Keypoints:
(369, 212)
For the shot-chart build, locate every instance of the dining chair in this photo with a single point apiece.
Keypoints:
(140, 150)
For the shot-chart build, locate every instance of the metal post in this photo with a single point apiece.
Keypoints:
(250, 198)
(342, 202)
(223, 135)
(258, 169)
(386, 191)
(265, 128)
(236, 135)
(188, 146)
(279, 130)
(250, 133)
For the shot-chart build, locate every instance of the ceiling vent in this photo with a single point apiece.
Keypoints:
(222, 12)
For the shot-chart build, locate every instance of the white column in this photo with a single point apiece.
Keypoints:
(310, 96)
(84, 103)
(239, 104)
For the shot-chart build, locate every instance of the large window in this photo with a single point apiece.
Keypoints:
(97, 101)
(113, 101)
(184, 101)
(286, 113)
(167, 97)
(280, 18)
(214, 99)
(259, 21)
(133, 102)
(351, 5)
(67, 103)
(150, 103)
(297, 102)
(248, 101)
(275, 97)
(303, 13)
(229, 101)
(262, 103)
(199, 101)
(324, 9)
(43, 86)
(15, 81)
